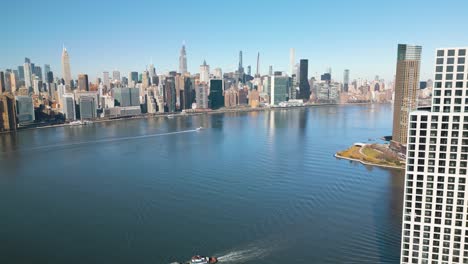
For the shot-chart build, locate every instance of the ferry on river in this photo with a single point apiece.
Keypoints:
(201, 260)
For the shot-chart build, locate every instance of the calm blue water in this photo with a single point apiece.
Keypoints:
(252, 188)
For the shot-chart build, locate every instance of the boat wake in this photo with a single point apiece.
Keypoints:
(107, 140)
(241, 256)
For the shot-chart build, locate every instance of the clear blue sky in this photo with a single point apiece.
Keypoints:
(361, 35)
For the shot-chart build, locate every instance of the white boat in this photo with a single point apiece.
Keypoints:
(203, 260)
(199, 128)
(170, 116)
(76, 123)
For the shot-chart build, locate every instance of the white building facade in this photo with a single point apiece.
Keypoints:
(435, 209)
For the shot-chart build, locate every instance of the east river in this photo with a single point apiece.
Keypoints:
(256, 187)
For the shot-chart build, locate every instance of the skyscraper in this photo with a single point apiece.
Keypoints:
(292, 61)
(201, 96)
(27, 73)
(216, 98)
(133, 78)
(258, 66)
(83, 83)
(66, 68)
(106, 79)
(346, 80)
(304, 86)
(280, 86)
(435, 208)
(270, 70)
(406, 85)
(188, 93)
(241, 68)
(2, 82)
(25, 109)
(46, 71)
(183, 60)
(204, 73)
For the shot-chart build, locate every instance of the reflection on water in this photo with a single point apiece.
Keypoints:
(257, 187)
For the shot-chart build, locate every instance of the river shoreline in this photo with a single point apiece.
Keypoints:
(367, 163)
(178, 114)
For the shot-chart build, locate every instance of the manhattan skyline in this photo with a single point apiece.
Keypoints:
(357, 36)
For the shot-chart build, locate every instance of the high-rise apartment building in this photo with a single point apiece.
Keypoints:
(202, 96)
(435, 209)
(66, 68)
(406, 86)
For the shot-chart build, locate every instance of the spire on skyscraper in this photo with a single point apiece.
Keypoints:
(183, 60)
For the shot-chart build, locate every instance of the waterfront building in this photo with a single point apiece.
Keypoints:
(406, 85)
(7, 112)
(435, 208)
(216, 98)
(122, 96)
(88, 106)
(24, 110)
(243, 96)
(66, 71)
(280, 86)
(68, 107)
(170, 94)
(183, 61)
(188, 94)
(204, 73)
(231, 97)
(83, 83)
(202, 97)
(254, 98)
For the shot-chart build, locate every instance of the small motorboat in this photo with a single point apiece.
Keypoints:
(203, 260)
(199, 128)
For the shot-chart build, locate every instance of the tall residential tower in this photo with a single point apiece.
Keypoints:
(435, 208)
(406, 85)
(183, 60)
